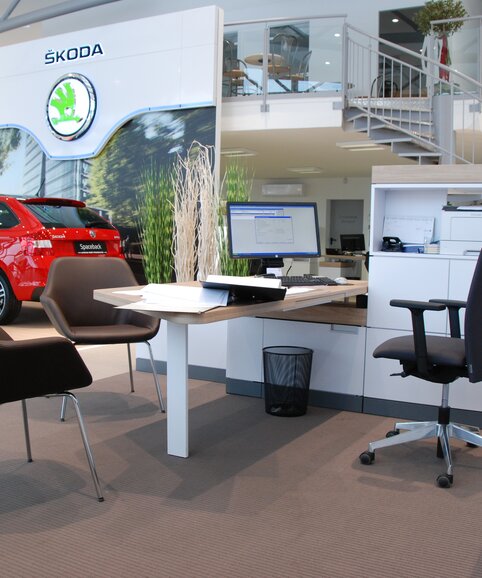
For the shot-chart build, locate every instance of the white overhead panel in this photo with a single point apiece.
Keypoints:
(283, 190)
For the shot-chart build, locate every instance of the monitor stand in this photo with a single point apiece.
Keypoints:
(273, 266)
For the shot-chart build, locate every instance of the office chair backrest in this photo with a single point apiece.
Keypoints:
(473, 325)
(70, 286)
(37, 367)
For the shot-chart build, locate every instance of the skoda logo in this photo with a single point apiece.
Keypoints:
(71, 106)
(92, 233)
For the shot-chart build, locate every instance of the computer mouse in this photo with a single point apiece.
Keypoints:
(341, 280)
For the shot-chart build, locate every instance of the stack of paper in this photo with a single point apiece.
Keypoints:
(176, 298)
(245, 281)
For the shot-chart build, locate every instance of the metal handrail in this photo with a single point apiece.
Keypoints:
(412, 112)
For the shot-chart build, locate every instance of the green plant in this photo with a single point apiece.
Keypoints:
(237, 185)
(440, 10)
(155, 223)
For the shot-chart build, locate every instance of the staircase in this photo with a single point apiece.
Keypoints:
(408, 107)
(405, 125)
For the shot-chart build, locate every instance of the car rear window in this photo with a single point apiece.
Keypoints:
(8, 218)
(68, 217)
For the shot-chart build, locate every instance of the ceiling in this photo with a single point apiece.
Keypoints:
(275, 150)
(278, 150)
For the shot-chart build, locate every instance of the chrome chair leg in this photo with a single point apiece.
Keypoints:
(443, 435)
(156, 379)
(412, 435)
(130, 366)
(85, 440)
(466, 434)
(63, 409)
(27, 433)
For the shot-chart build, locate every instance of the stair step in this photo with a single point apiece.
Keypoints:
(415, 103)
(362, 125)
(408, 149)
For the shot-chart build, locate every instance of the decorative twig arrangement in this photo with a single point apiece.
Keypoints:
(196, 207)
(208, 254)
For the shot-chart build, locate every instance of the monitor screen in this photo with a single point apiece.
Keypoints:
(273, 230)
(354, 243)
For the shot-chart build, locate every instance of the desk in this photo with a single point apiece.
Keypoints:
(177, 340)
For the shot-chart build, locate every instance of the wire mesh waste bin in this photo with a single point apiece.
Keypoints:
(287, 371)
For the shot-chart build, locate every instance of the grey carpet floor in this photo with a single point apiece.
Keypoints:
(260, 496)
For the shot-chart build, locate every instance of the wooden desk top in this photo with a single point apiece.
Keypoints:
(314, 296)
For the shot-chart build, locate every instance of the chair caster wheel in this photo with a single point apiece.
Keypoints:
(366, 458)
(445, 480)
(392, 432)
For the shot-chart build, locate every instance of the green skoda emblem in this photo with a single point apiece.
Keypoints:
(71, 106)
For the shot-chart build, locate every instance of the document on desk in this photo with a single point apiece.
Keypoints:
(176, 298)
(268, 282)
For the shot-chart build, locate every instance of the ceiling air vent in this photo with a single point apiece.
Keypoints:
(283, 190)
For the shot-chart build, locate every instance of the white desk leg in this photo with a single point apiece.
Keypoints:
(177, 390)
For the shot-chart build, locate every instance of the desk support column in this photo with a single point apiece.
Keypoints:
(177, 390)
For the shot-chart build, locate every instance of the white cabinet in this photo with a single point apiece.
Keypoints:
(332, 345)
(406, 276)
(415, 276)
(330, 371)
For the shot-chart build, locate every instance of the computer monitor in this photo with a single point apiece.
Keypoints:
(354, 243)
(272, 231)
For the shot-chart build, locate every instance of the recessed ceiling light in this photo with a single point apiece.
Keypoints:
(305, 170)
(395, 20)
(238, 153)
(337, 35)
(327, 62)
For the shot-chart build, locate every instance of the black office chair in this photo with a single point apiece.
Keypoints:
(47, 367)
(68, 299)
(441, 360)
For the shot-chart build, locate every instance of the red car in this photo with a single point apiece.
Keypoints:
(33, 232)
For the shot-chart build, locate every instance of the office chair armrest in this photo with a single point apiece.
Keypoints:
(417, 309)
(454, 306)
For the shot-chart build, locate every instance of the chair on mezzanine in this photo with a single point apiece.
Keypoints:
(236, 81)
(283, 53)
(437, 359)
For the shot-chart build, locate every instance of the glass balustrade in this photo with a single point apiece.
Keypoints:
(283, 56)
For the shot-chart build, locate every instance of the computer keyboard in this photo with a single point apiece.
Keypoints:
(304, 280)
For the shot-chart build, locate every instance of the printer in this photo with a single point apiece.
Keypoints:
(461, 230)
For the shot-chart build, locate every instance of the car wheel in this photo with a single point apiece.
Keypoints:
(10, 306)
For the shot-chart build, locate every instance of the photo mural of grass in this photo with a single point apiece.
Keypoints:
(237, 185)
(156, 222)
